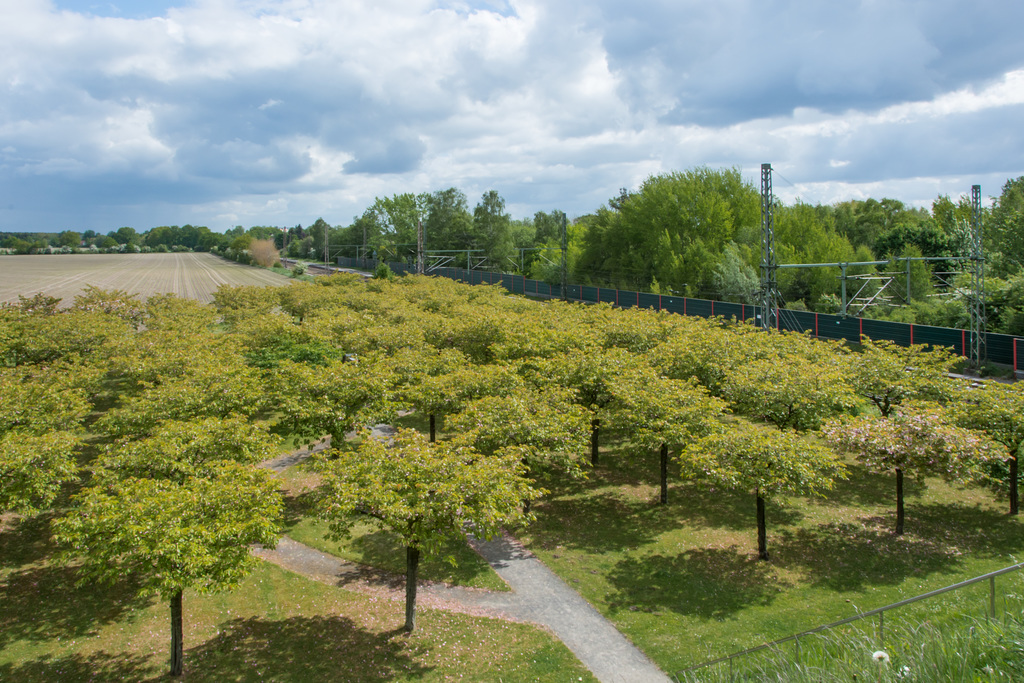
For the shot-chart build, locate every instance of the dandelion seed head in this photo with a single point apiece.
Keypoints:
(881, 656)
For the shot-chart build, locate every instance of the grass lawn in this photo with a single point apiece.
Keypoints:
(684, 583)
(276, 626)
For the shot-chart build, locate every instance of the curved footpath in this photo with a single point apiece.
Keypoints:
(538, 596)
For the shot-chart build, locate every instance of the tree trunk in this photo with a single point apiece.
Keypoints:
(899, 502)
(762, 530)
(177, 650)
(664, 473)
(412, 563)
(595, 429)
(433, 433)
(1013, 485)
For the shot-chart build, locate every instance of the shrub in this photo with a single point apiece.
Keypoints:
(264, 253)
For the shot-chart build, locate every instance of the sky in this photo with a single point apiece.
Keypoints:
(278, 112)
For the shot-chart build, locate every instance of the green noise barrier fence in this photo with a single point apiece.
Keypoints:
(1004, 349)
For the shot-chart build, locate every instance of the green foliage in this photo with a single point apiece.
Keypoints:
(170, 536)
(759, 459)
(383, 272)
(802, 383)
(207, 387)
(177, 450)
(492, 230)
(33, 467)
(889, 374)
(914, 439)
(334, 399)
(425, 493)
(673, 229)
(541, 428)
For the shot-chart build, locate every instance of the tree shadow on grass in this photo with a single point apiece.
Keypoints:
(863, 488)
(316, 648)
(385, 550)
(609, 522)
(296, 507)
(42, 603)
(711, 583)
(97, 666)
(602, 522)
(846, 556)
(25, 540)
(974, 530)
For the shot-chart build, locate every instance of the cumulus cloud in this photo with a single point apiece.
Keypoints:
(207, 111)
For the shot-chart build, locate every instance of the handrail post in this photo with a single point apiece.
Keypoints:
(992, 596)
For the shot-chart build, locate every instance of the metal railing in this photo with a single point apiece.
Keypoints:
(880, 611)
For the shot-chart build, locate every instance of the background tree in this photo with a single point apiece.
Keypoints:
(448, 224)
(915, 441)
(425, 493)
(1007, 227)
(492, 230)
(764, 461)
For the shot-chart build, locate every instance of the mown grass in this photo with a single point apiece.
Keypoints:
(683, 580)
(276, 626)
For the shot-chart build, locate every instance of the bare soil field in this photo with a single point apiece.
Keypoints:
(195, 276)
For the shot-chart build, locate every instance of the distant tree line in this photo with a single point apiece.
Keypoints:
(694, 233)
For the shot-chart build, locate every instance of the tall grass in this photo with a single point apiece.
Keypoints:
(958, 648)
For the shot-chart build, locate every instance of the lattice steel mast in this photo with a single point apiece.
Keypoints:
(565, 257)
(978, 354)
(769, 294)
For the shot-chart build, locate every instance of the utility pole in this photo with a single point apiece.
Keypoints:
(769, 294)
(565, 259)
(978, 354)
(420, 260)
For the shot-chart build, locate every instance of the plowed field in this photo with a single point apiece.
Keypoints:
(196, 276)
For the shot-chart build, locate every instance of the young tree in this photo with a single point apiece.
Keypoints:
(440, 394)
(177, 450)
(591, 377)
(889, 374)
(765, 461)
(914, 441)
(543, 428)
(797, 387)
(334, 399)
(998, 411)
(172, 536)
(661, 413)
(425, 493)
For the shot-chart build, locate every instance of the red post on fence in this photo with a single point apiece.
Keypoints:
(1015, 340)
(712, 308)
(815, 324)
(963, 347)
(911, 334)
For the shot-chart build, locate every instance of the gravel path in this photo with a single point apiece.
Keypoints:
(538, 596)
